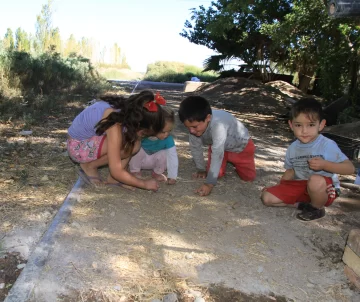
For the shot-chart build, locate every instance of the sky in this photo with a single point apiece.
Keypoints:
(146, 30)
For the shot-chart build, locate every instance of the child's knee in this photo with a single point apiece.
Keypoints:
(316, 183)
(246, 175)
(250, 177)
(267, 198)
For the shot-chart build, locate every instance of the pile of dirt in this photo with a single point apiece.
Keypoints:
(287, 89)
(246, 95)
(349, 130)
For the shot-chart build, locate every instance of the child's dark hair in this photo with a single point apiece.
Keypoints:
(308, 106)
(133, 116)
(169, 115)
(194, 108)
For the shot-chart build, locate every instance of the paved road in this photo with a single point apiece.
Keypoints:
(141, 85)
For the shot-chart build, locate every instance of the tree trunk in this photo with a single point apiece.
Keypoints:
(353, 74)
(304, 82)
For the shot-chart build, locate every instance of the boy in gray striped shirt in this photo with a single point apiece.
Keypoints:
(228, 140)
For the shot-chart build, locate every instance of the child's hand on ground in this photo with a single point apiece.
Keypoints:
(171, 181)
(201, 174)
(316, 163)
(204, 190)
(152, 185)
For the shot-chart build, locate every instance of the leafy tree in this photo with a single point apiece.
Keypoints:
(55, 40)
(311, 44)
(44, 29)
(8, 41)
(116, 54)
(297, 35)
(72, 46)
(124, 63)
(86, 49)
(232, 28)
(22, 40)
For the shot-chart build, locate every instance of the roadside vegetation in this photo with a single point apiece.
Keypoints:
(176, 72)
(32, 88)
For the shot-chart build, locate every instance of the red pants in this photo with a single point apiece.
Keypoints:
(292, 191)
(243, 161)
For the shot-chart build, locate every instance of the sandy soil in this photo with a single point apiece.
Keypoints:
(140, 246)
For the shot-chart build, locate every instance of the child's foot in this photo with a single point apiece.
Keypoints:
(158, 177)
(310, 213)
(89, 180)
(137, 174)
(90, 175)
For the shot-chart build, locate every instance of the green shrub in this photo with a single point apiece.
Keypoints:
(31, 87)
(175, 72)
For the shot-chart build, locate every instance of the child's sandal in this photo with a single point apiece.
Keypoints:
(304, 206)
(311, 213)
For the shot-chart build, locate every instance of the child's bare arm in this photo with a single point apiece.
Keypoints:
(289, 174)
(116, 166)
(344, 168)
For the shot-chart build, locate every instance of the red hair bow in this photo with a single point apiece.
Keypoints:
(151, 105)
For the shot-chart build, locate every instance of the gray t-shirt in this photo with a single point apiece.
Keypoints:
(298, 154)
(224, 133)
(83, 126)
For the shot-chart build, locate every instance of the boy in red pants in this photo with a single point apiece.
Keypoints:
(311, 164)
(228, 141)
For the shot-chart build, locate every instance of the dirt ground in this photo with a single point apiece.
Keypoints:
(121, 245)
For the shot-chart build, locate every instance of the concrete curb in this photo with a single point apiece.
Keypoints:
(26, 282)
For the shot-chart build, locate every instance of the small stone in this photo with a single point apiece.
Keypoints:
(310, 285)
(260, 269)
(44, 178)
(194, 293)
(199, 299)
(112, 214)
(21, 265)
(94, 265)
(2, 285)
(189, 256)
(118, 287)
(76, 224)
(123, 299)
(172, 297)
(156, 274)
(6, 224)
(181, 231)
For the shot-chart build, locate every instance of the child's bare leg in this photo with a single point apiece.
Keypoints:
(271, 200)
(91, 168)
(316, 188)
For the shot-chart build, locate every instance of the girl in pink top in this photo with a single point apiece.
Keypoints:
(109, 133)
